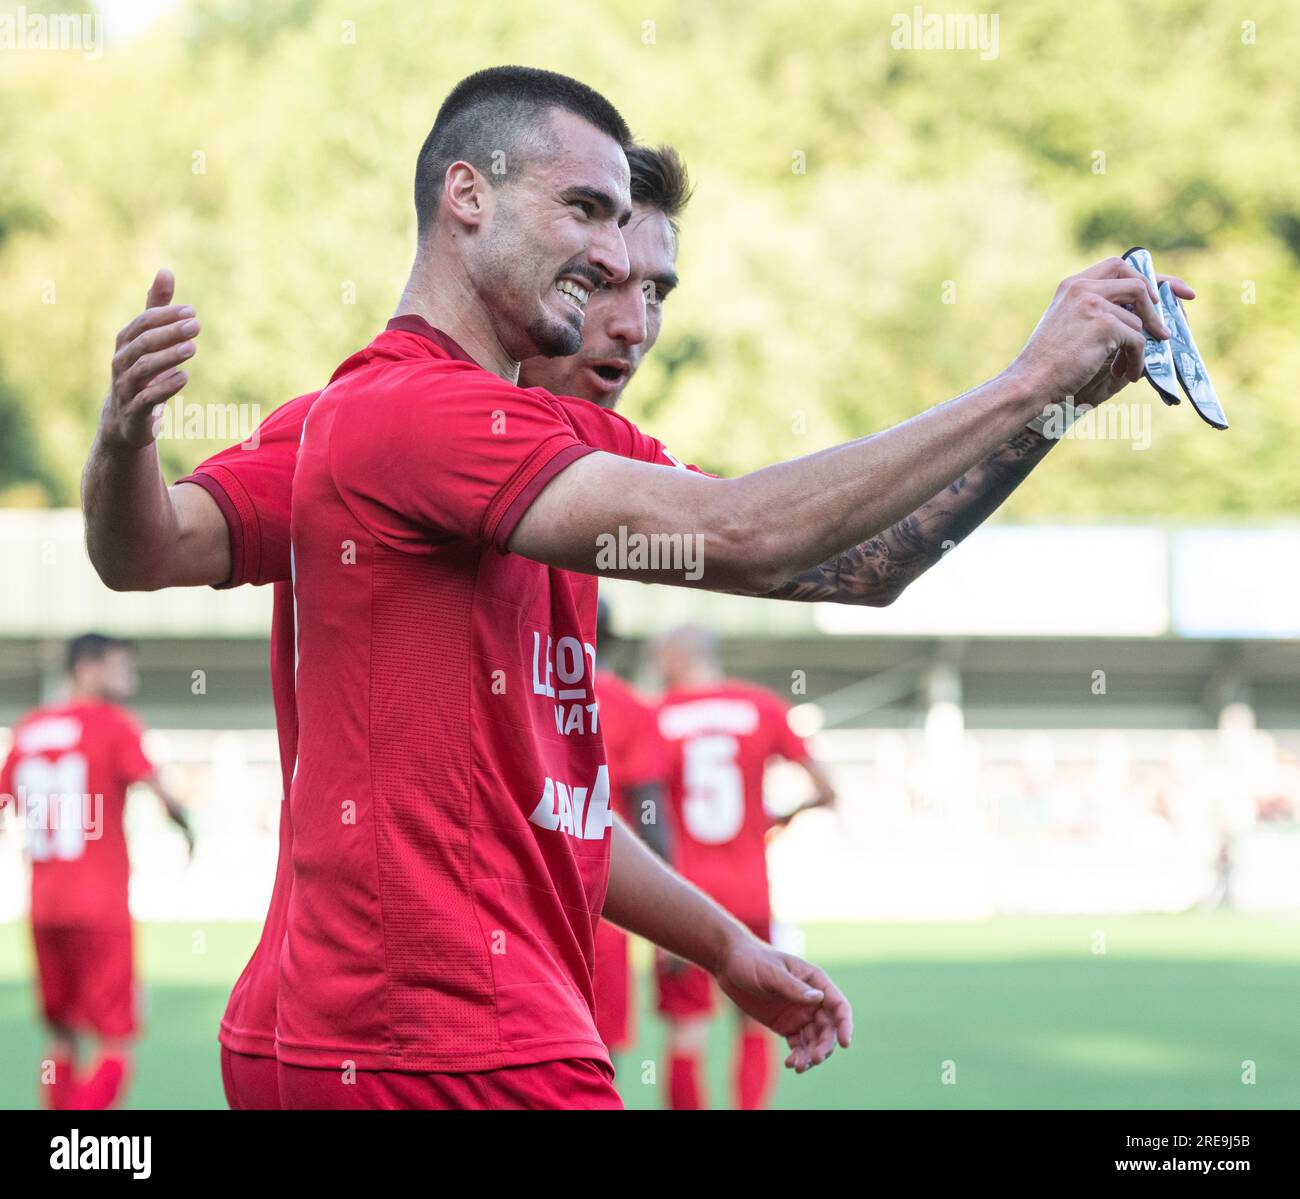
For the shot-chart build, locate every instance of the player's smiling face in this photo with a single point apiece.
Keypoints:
(621, 321)
(557, 238)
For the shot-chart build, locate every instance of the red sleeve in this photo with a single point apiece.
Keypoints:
(462, 456)
(252, 484)
(651, 449)
(662, 454)
(133, 763)
(613, 432)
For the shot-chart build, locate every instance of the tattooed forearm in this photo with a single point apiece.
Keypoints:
(876, 572)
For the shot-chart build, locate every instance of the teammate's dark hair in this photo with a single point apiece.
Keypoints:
(659, 180)
(492, 113)
(92, 647)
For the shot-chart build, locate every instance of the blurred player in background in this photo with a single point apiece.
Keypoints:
(723, 733)
(67, 775)
(638, 775)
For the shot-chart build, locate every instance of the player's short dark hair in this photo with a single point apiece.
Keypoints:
(92, 647)
(659, 180)
(496, 110)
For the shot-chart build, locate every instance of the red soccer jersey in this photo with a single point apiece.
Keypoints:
(723, 737)
(251, 484)
(68, 771)
(469, 906)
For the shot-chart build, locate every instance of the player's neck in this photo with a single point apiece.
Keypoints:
(698, 680)
(83, 695)
(439, 292)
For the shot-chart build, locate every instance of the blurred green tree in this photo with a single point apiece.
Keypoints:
(874, 229)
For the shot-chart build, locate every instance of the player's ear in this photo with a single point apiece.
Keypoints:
(464, 194)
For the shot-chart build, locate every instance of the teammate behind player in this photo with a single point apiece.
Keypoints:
(723, 734)
(67, 775)
(638, 776)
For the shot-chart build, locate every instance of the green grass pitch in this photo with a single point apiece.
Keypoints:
(1021, 1012)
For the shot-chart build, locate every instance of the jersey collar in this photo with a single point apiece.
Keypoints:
(410, 323)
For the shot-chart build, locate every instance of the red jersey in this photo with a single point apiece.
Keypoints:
(252, 486)
(68, 771)
(723, 737)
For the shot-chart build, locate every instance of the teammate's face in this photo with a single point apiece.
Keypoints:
(670, 663)
(622, 320)
(112, 677)
(553, 238)
(120, 679)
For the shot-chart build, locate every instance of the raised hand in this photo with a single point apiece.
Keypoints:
(146, 366)
(1093, 323)
(1109, 380)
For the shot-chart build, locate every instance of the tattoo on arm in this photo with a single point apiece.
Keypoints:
(876, 572)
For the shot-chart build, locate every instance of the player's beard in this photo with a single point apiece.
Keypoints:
(558, 337)
(554, 338)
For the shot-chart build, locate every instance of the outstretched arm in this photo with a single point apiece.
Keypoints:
(141, 534)
(790, 996)
(876, 572)
(823, 792)
(175, 811)
(753, 533)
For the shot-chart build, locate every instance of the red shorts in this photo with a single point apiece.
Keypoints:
(252, 1083)
(87, 978)
(686, 990)
(613, 983)
(577, 1084)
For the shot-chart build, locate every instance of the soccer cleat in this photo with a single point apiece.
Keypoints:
(1157, 356)
(1178, 358)
(103, 1088)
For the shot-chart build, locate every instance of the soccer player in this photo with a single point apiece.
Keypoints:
(67, 775)
(482, 244)
(228, 523)
(638, 774)
(724, 733)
